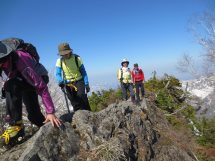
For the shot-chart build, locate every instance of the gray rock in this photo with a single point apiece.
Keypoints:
(47, 144)
(134, 128)
(120, 132)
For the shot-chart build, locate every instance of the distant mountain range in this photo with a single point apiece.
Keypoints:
(203, 93)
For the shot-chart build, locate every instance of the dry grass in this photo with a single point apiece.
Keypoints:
(108, 151)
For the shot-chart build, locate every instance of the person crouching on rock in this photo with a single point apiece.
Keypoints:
(24, 84)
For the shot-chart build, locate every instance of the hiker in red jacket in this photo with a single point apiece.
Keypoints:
(138, 80)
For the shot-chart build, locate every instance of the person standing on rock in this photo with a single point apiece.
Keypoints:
(124, 77)
(24, 84)
(138, 80)
(72, 76)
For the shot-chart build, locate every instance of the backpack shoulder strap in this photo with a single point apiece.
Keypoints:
(61, 62)
(76, 61)
(129, 70)
(121, 73)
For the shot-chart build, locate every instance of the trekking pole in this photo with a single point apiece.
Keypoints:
(67, 104)
(66, 117)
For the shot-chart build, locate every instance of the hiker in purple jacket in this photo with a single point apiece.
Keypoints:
(25, 82)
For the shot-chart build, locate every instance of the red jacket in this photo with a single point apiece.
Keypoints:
(137, 75)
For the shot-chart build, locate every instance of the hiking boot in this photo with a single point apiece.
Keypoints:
(12, 134)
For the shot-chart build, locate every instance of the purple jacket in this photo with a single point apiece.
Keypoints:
(27, 67)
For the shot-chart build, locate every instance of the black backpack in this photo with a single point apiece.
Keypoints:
(19, 44)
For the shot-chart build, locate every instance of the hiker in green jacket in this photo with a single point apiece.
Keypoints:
(124, 76)
(72, 76)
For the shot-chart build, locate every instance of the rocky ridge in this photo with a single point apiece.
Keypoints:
(122, 131)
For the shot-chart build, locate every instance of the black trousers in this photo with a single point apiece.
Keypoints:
(17, 92)
(127, 87)
(139, 86)
(78, 98)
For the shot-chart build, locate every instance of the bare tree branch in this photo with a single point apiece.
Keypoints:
(186, 65)
(203, 29)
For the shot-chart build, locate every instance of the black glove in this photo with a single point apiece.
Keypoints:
(121, 79)
(61, 85)
(87, 88)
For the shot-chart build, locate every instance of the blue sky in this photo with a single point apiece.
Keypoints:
(152, 33)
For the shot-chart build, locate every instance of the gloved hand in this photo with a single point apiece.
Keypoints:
(121, 79)
(87, 88)
(61, 84)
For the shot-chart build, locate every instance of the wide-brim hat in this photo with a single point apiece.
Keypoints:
(124, 61)
(64, 49)
(5, 50)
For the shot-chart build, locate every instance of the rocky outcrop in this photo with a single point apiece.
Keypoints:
(47, 144)
(122, 131)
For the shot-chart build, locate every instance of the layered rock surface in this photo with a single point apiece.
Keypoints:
(122, 131)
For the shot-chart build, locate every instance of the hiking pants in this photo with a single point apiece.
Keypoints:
(139, 86)
(127, 87)
(17, 90)
(78, 98)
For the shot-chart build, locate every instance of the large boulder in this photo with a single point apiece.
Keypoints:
(122, 131)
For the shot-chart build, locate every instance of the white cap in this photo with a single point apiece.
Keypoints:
(124, 61)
